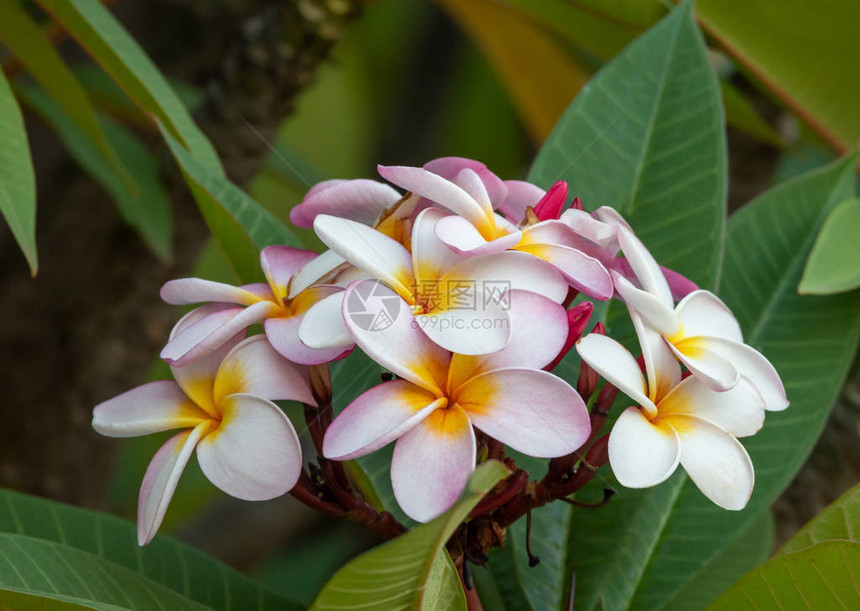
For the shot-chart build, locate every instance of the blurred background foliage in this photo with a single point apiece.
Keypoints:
(407, 81)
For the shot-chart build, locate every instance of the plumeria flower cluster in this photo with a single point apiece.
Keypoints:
(460, 285)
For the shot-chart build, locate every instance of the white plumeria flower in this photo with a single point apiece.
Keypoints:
(245, 444)
(434, 281)
(292, 288)
(432, 409)
(476, 229)
(701, 330)
(676, 421)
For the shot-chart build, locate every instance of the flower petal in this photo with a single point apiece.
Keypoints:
(661, 367)
(582, 272)
(211, 332)
(431, 257)
(462, 237)
(530, 410)
(449, 167)
(162, 476)
(716, 462)
(653, 311)
(472, 184)
(642, 453)
(587, 226)
(739, 411)
(703, 313)
(254, 454)
(283, 335)
(520, 196)
(699, 355)
(437, 189)
(615, 363)
(382, 325)
(504, 271)
(315, 270)
(151, 408)
(367, 249)
(552, 203)
(680, 285)
(185, 291)
(647, 270)
(254, 367)
(322, 327)
(279, 263)
(755, 367)
(376, 418)
(481, 328)
(358, 200)
(432, 463)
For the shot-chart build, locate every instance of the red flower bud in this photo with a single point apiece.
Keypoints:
(551, 204)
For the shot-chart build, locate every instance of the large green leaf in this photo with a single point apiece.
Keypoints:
(802, 51)
(834, 263)
(100, 540)
(414, 570)
(240, 225)
(95, 29)
(840, 520)
(819, 577)
(146, 207)
(17, 180)
(28, 42)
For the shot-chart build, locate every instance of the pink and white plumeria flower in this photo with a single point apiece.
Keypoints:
(245, 444)
(281, 303)
(676, 421)
(701, 331)
(476, 229)
(432, 409)
(434, 282)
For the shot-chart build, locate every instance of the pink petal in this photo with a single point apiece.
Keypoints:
(151, 408)
(716, 462)
(367, 249)
(213, 331)
(532, 411)
(613, 361)
(376, 418)
(577, 319)
(472, 184)
(283, 335)
(642, 453)
(279, 263)
(430, 256)
(450, 167)
(521, 195)
(753, 366)
(196, 290)
(162, 476)
(359, 200)
(432, 463)
(712, 368)
(501, 272)
(738, 411)
(590, 228)
(254, 454)
(680, 285)
(382, 325)
(702, 313)
(584, 273)
(254, 367)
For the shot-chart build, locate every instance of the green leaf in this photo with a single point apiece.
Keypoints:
(801, 51)
(26, 39)
(748, 551)
(834, 263)
(240, 225)
(95, 29)
(741, 115)
(17, 180)
(839, 520)
(819, 577)
(414, 570)
(147, 207)
(93, 541)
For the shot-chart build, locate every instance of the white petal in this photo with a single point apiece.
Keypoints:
(462, 237)
(432, 464)
(583, 272)
(753, 366)
(472, 184)
(186, 291)
(662, 368)
(283, 335)
(532, 411)
(449, 167)
(279, 263)
(701, 358)
(254, 454)
(716, 462)
(151, 408)
(431, 257)
(481, 328)
(368, 249)
(738, 411)
(644, 266)
(376, 418)
(702, 313)
(162, 476)
(654, 311)
(314, 271)
(521, 195)
(359, 200)
(496, 274)
(323, 327)
(642, 453)
(254, 367)
(615, 363)
(381, 323)
(590, 228)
